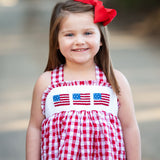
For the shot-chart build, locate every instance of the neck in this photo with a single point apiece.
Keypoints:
(80, 67)
(79, 72)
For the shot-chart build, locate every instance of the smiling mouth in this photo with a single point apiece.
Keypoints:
(80, 49)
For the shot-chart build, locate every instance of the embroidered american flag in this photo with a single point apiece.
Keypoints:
(61, 100)
(101, 99)
(81, 99)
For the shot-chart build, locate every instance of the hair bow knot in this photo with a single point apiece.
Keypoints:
(101, 14)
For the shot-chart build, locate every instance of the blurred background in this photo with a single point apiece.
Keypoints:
(135, 51)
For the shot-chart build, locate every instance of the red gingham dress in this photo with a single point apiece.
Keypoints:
(81, 120)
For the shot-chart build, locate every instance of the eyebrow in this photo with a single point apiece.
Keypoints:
(72, 30)
(66, 31)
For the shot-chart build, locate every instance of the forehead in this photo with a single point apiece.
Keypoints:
(78, 20)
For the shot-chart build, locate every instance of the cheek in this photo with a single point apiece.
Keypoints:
(63, 43)
(64, 47)
(97, 40)
(97, 43)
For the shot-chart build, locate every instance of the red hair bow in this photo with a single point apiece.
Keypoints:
(101, 14)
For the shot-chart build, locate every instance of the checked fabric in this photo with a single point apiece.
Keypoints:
(81, 120)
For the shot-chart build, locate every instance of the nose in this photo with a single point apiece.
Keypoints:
(79, 40)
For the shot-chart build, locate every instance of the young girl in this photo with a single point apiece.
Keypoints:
(82, 108)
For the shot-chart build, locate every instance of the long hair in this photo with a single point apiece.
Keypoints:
(102, 58)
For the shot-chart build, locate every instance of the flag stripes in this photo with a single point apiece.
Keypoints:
(101, 99)
(81, 99)
(61, 100)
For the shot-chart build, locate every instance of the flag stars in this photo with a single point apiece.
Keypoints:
(56, 98)
(97, 96)
(76, 96)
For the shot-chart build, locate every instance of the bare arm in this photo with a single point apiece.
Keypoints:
(34, 128)
(128, 120)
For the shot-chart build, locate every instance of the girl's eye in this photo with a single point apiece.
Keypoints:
(88, 33)
(69, 35)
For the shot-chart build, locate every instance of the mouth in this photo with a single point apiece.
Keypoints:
(80, 49)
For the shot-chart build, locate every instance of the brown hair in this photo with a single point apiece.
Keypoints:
(102, 58)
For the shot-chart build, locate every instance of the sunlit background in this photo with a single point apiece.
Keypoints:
(135, 51)
(8, 3)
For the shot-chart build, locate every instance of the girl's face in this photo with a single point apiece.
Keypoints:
(79, 38)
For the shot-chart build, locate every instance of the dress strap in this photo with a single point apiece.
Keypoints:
(57, 75)
(100, 76)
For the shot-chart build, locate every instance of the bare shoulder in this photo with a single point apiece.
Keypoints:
(123, 82)
(125, 95)
(41, 85)
(43, 82)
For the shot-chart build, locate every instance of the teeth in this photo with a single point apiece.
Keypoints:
(78, 50)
